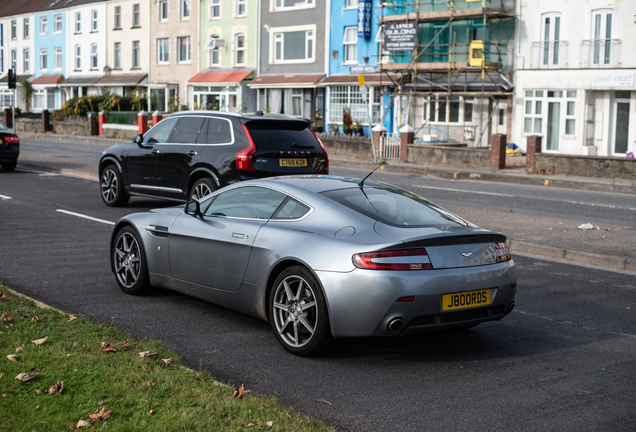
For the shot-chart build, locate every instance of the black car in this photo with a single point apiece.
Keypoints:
(9, 149)
(189, 154)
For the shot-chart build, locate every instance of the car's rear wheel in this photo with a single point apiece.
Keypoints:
(112, 188)
(9, 166)
(201, 188)
(129, 259)
(298, 313)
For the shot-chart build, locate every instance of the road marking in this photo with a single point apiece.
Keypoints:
(4, 197)
(86, 217)
(609, 206)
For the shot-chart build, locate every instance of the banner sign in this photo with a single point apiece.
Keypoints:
(400, 36)
(364, 18)
(363, 69)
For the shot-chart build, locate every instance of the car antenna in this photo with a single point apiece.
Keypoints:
(361, 184)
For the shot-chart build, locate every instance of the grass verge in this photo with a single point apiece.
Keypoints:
(101, 370)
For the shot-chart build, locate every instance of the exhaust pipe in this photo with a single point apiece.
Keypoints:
(511, 307)
(395, 324)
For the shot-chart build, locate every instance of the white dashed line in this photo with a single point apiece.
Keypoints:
(86, 217)
(4, 197)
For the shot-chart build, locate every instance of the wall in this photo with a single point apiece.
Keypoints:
(71, 126)
(347, 146)
(449, 156)
(586, 166)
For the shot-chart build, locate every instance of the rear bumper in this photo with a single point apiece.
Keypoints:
(364, 302)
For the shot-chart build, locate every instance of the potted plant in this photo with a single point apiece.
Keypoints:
(346, 121)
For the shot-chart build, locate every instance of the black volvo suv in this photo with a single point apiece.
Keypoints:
(192, 153)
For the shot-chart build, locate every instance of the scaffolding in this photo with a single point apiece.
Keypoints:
(461, 52)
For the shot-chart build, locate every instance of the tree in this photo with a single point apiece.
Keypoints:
(27, 94)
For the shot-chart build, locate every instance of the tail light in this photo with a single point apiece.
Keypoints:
(12, 140)
(323, 148)
(244, 157)
(502, 252)
(411, 259)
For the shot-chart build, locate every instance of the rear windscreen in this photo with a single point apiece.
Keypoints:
(395, 207)
(282, 136)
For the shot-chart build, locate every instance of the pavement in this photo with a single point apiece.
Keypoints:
(554, 238)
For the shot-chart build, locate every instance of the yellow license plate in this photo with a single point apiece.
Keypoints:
(293, 162)
(465, 300)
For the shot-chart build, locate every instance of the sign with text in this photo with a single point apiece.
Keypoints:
(400, 36)
(364, 18)
(364, 69)
(613, 79)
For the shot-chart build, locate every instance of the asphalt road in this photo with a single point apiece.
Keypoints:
(564, 360)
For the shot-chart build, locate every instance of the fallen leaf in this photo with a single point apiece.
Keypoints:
(56, 388)
(270, 423)
(1, 374)
(123, 344)
(37, 407)
(2, 297)
(4, 395)
(40, 341)
(325, 401)
(240, 391)
(12, 357)
(146, 354)
(82, 423)
(38, 391)
(100, 414)
(251, 425)
(149, 412)
(509, 211)
(19, 349)
(606, 229)
(167, 361)
(35, 318)
(6, 317)
(25, 376)
(106, 347)
(71, 318)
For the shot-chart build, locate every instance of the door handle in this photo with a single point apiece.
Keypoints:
(156, 152)
(192, 153)
(238, 235)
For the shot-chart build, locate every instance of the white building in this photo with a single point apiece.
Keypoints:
(575, 81)
(18, 54)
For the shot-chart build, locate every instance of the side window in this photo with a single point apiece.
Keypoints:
(248, 202)
(292, 209)
(219, 132)
(189, 129)
(161, 132)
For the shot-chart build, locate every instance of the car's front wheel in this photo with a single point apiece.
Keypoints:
(298, 313)
(112, 187)
(129, 259)
(202, 188)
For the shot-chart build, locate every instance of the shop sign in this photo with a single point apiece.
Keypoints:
(613, 79)
(400, 36)
(364, 18)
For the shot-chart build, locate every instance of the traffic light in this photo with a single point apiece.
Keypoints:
(11, 79)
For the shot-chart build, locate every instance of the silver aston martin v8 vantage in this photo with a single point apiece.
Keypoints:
(321, 258)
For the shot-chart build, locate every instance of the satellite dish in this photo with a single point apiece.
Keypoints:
(106, 69)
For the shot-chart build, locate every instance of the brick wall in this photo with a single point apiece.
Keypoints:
(466, 157)
(586, 166)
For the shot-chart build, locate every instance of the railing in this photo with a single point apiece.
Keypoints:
(600, 53)
(549, 55)
(397, 7)
(390, 146)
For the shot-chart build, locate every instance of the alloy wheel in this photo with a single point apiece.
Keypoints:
(127, 260)
(109, 185)
(295, 311)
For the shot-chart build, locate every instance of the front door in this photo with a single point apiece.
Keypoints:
(554, 126)
(621, 124)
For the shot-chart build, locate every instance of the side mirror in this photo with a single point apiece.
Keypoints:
(138, 139)
(193, 208)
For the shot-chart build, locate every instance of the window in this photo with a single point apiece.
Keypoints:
(14, 59)
(78, 58)
(163, 10)
(39, 99)
(550, 39)
(215, 58)
(43, 58)
(215, 9)
(290, 4)
(135, 15)
(296, 102)
(351, 4)
(117, 17)
(570, 112)
(58, 58)
(25, 28)
(185, 9)
(136, 60)
(249, 202)
(293, 46)
(117, 52)
(161, 133)
(601, 37)
(350, 43)
(93, 20)
(93, 56)
(468, 109)
(340, 97)
(533, 112)
(241, 8)
(14, 29)
(455, 109)
(78, 22)
(239, 50)
(25, 60)
(163, 51)
(183, 45)
(58, 24)
(44, 25)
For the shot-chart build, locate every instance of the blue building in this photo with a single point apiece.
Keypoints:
(49, 60)
(354, 50)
